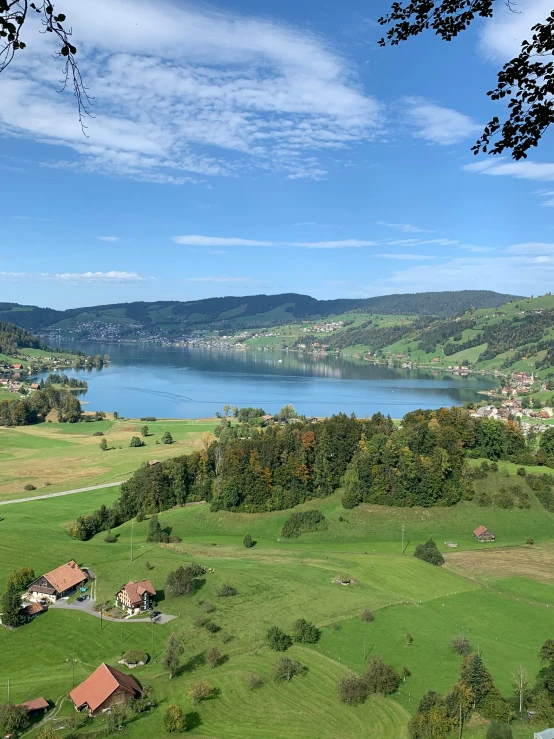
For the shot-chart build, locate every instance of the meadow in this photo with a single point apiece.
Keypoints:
(490, 592)
(64, 456)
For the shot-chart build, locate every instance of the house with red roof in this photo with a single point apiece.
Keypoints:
(58, 583)
(136, 596)
(104, 689)
(483, 534)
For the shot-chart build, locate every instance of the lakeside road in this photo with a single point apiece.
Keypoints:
(64, 492)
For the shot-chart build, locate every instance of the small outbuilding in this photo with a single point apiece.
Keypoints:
(483, 534)
(36, 706)
(33, 610)
(104, 689)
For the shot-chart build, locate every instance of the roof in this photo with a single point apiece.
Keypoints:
(65, 577)
(98, 687)
(41, 589)
(34, 608)
(37, 704)
(152, 462)
(481, 530)
(546, 734)
(135, 590)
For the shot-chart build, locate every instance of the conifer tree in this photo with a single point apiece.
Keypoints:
(475, 675)
(12, 614)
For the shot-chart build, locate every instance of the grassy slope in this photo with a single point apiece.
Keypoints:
(69, 456)
(279, 581)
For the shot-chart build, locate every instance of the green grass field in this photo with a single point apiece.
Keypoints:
(63, 456)
(499, 594)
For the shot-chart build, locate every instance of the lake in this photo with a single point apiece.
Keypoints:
(195, 383)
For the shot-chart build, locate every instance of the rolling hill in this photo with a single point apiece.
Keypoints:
(172, 318)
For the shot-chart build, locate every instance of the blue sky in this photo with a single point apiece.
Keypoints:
(235, 153)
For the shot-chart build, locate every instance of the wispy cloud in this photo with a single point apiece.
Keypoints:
(197, 240)
(184, 92)
(421, 242)
(522, 170)
(108, 238)
(501, 36)
(404, 227)
(406, 257)
(437, 124)
(75, 278)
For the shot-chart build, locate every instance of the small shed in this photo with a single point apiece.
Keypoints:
(36, 706)
(481, 533)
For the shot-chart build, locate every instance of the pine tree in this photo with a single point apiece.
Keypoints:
(154, 529)
(476, 676)
(12, 614)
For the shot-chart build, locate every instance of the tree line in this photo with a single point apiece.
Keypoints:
(29, 409)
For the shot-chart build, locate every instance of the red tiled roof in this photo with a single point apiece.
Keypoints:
(37, 704)
(34, 608)
(65, 577)
(135, 590)
(481, 530)
(98, 687)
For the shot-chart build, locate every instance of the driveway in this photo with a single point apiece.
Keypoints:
(87, 606)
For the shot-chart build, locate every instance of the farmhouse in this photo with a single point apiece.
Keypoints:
(104, 689)
(57, 584)
(136, 596)
(483, 534)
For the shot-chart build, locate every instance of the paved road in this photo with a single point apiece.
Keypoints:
(87, 606)
(65, 492)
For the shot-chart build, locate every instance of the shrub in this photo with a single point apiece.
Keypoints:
(213, 657)
(211, 627)
(461, 645)
(380, 677)
(254, 681)
(226, 591)
(247, 541)
(29, 487)
(134, 656)
(499, 731)
(483, 500)
(98, 433)
(200, 622)
(226, 637)
(350, 500)
(208, 607)
(278, 640)
(303, 522)
(104, 445)
(167, 438)
(199, 692)
(110, 538)
(530, 540)
(149, 418)
(286, 669)
(135, 441)
(521, 471)
(429, 552)
(367, 616)
(305, 632)
(352, 689)
(174, 719)
(140, 516)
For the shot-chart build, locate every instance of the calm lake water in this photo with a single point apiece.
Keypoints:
(195, 383)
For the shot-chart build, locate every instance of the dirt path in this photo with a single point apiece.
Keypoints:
(65, 492)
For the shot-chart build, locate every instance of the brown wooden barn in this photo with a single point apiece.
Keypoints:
(104, 689)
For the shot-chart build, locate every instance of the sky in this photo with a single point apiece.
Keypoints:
(231, 152)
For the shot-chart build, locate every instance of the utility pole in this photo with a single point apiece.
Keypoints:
(132, 527)
(101, 619)
(402, 538)
(73, 667)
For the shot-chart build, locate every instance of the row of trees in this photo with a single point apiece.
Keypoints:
(33, 408)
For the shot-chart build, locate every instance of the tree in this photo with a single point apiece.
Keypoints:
(380, 677)
(172, 654)
(181, 581)
(475, 675)
(254, 681)
(48, 733)
(213, 657)
(103, 445)
(286, 669)
(139, 516)
(199, 692)
(115, 415)
(154, 529)
(12, 614)
(144, 431)
(352, 689)
(367, 616)
(167, 438)
(21, 578)
(546, 652)
(526, 80)
(305, 632)
(174, 719)
(461, 645)
(278, 640)
(110, 538)
(520, 683)
(429, 552)
(135, 442)
(248, 541)
(13, 719)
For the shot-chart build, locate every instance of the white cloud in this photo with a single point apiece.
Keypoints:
(404, 227)
(108, 238)
(183, 90)
(219, 279)
(522, 170)
(437, 124)
(75, 278)
(532, 247)
(501, 37)
(407, 257)
(195, 240)
(421, 242)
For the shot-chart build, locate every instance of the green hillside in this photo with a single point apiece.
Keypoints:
(172, 318)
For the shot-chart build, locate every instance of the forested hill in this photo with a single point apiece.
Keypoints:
(13, 338)
(245, 312)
